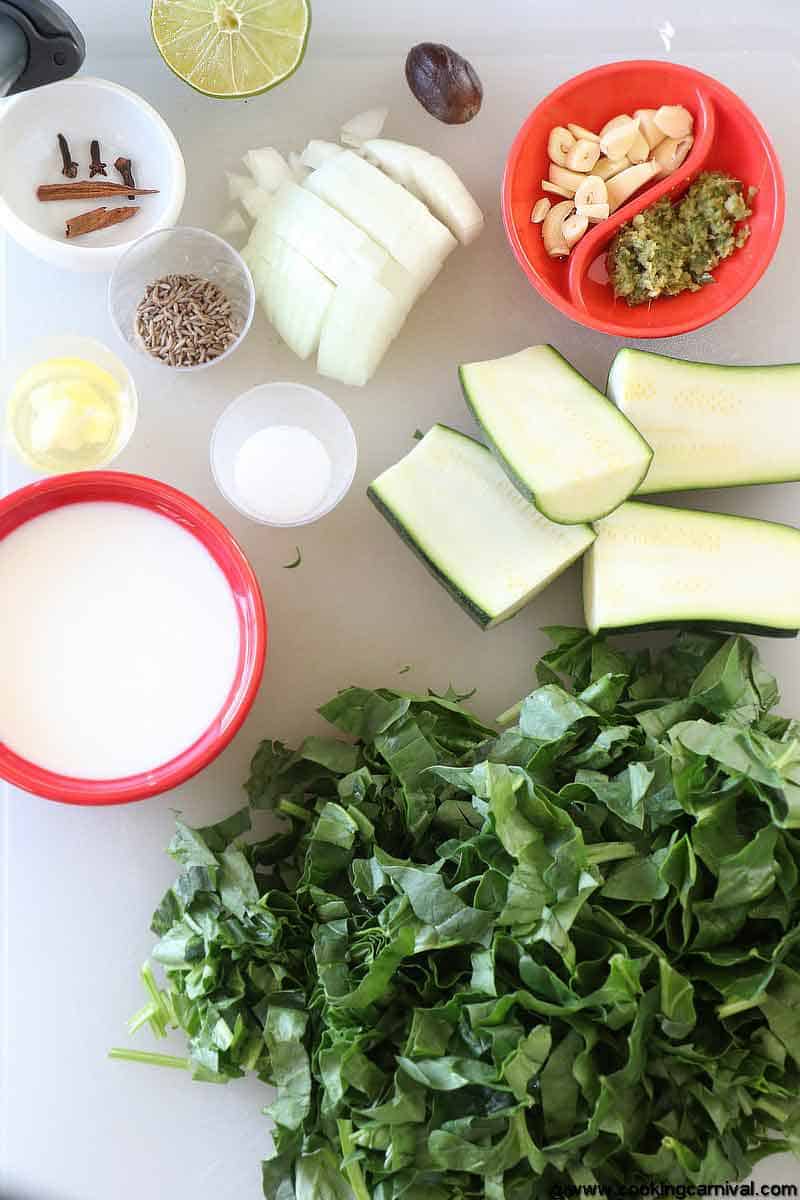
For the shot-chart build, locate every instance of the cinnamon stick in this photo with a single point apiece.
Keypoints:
(88, 190)
(98, 218)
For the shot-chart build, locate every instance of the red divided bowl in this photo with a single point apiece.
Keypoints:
(39, 498)
(728, 137)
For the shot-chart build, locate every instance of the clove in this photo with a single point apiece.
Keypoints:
(125, 168)
(69, 168)
(96, 167)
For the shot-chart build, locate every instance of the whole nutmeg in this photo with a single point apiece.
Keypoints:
(445, 84)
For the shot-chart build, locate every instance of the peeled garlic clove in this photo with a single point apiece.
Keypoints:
(674, 120)
(559, 145)
(648, 127)
(617, 136)
(540, 210)
(581, 134)
(639, 151)
(593, 212)
(552, 233)
(622, 186)
(592, 191)
(555, 190)
(583, 155)
(570, 181)
(607, 168)
(573, 228)
(670, 153)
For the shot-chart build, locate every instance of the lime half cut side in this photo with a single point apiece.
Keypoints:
(231, 48)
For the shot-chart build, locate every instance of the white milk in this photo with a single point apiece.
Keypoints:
(119, 640)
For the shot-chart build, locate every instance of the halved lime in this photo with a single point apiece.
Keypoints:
(231, 48)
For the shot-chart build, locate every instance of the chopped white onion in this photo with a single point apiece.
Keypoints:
(232, 224)
(238, 185)
(295, 295)
(365, 306)
(363, 126)
(318, 152)
(431, 179)
(386, 211)
(346, 240)
(298, 168)
(268, 167)
(256, 201)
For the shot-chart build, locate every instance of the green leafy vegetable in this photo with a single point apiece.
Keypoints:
(479, 965)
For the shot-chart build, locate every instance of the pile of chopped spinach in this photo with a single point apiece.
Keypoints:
(481, 965)
(671, 248)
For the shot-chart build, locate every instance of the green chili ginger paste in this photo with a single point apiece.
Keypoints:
(671, 248)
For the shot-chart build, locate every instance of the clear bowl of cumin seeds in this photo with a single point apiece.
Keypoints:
(182, 297)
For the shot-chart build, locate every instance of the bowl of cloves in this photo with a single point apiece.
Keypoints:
(87, 169)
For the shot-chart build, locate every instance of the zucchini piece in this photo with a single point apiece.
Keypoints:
(454, 507)
(710, 426)
(560, 440)
(653, 567)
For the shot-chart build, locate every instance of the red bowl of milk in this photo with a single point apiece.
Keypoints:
(727, 137)
(133, 638)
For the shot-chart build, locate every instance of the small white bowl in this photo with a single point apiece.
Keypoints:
(126, 126)
(180, 251)
(284, 404)
(39, 350)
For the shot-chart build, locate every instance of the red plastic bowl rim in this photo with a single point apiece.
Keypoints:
(116, 486)
(731, 297)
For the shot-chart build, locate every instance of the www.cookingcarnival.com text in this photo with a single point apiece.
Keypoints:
(650, 1191)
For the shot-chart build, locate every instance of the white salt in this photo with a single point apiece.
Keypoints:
(282, 473)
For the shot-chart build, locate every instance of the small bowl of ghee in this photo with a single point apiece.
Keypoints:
(70, 404)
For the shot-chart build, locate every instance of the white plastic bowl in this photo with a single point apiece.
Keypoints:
(180, 251)
(284, 404)
(39, 350)
(126, 126)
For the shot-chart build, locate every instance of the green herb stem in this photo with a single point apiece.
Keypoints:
(355, 1176)
(511, 714)
(153, 1060)
(610, 852)
(289, 809)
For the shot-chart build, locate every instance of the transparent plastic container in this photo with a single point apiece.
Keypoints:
(16, 426)
(291, 404)
(180, 251)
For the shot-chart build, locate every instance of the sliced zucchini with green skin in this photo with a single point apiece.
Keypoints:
(657, 567)
(455, 508)
(710, 426)
(559, 439)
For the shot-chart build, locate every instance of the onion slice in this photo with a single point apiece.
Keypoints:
(268, 167)
(363, 126)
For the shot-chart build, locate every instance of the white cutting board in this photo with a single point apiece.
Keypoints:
(79, 885)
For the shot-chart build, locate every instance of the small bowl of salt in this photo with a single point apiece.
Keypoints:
(283, 454)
